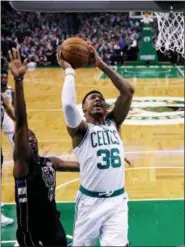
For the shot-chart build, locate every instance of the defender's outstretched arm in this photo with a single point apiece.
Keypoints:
(22, 151)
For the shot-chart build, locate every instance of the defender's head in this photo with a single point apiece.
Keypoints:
(94, 105)
(33, 141)
(4, 80)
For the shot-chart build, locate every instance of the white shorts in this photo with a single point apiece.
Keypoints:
(105, 219)
(8, 128)
(8, 124)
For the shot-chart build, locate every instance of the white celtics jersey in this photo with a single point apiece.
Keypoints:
(8, 92)
(101, 158)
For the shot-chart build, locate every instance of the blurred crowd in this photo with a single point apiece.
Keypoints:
(115, 36)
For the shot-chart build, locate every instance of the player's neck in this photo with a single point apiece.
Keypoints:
(98, 121)
(36, 156)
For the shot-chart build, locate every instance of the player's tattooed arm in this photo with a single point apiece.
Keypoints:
(65, 166)
(126, 90)
(22, 151)
(8, 107)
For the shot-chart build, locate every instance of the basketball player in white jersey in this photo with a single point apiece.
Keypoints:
(8, 124)
(7, 108)
(101, 204)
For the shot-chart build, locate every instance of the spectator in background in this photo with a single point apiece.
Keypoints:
(133, 49)
(32, 64)
(114, 35)
(42, 59)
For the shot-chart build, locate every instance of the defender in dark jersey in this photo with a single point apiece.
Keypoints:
(37, 217)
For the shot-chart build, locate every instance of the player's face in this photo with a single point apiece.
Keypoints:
(95, 105)
(4, 82)
(33, 142)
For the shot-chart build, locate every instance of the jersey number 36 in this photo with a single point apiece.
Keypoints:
(109, 158)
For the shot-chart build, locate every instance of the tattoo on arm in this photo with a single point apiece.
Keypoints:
(126, 91)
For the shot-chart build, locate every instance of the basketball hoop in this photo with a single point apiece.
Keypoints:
(171, 32)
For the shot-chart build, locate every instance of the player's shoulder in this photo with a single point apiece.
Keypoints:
(109, 121)
(4, 98)
(45, 161)
(10, 89)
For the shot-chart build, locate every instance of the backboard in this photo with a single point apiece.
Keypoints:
(98, 6)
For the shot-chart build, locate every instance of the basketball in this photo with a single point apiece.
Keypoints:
(75, 51)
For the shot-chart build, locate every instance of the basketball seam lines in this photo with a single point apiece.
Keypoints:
(75, 44)
(78, 55)
(75, 53)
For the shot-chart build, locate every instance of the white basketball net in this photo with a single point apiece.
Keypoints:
(171, 32)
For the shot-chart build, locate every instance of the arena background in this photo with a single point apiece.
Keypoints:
(152, 134)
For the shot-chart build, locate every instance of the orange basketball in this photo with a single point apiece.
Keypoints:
(75, 51)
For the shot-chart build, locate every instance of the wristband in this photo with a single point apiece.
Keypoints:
(69, 71)
(18, 78)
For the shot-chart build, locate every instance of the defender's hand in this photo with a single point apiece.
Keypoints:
(61, 61)
(94, 58)
(127, 161)
(16, 67)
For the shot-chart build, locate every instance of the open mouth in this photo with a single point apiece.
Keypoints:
(98, 105)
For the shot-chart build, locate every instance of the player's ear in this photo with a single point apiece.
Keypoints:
(84, 109)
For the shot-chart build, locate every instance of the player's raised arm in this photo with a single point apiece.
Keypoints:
(8, 107)
(75, 124)
(126, 90)
(21, 149)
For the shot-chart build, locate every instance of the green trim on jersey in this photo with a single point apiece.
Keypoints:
(105, 194)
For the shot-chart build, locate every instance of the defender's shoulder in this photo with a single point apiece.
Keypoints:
(45, 161)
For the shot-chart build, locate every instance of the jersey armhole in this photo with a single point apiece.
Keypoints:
(114, 123)
(111, 121)
(77, 148)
